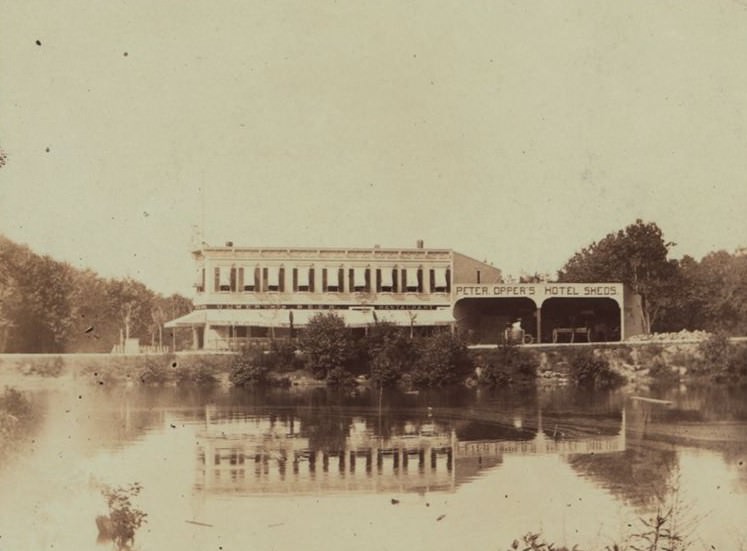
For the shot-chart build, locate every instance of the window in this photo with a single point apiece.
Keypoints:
(359, 279)
(253, 283)
(200, 280)
(301, 279)
(335, 279)
(216, 279)
(412, 283)
(312, 280)
(273, 279)
(478, 276)
(222, 280)
(440, 280)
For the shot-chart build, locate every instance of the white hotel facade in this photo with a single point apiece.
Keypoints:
(243, 293)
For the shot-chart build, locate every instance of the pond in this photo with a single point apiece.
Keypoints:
(226, 469)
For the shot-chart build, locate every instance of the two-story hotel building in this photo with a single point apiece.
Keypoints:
(257, 292)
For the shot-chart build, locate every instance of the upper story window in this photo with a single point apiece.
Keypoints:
(222, 279)
(412, 280)
(332, 280)
(302, 279)
(274, 277)
(441, 280)
(200, 280)
(249, 280)
(360, 280)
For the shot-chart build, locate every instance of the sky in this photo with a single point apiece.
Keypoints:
(515, 132)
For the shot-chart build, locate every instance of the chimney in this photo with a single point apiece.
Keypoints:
(419, 244)
(229, 243)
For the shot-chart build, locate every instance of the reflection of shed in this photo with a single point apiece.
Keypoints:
(549, 312)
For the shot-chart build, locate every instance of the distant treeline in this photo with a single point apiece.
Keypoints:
(50, 306)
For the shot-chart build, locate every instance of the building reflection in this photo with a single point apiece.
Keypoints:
(238, 453)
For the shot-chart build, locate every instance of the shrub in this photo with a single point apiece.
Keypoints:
(284, 356)
(124, 518)
(198, 372)
(589, 370)
(249, 367)
(443, 360)
(509, 364)
(715, 351)
(327, 346)
(392, 354)
(661, 372)
(155, 370)
(738, 362)
(625, 354)
(649, 353)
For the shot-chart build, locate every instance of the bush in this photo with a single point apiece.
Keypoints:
(327, 346)
(716, 352)
(587, 369)
(443, 360)
(661, 372)
(249, 367)
(155, 370)
(391, 352)
(649, 353)
(124, 518)
(198, 372)
(509, 365)
(738, 362)
(284, 356)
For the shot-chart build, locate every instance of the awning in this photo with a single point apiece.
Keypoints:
(303, 277)
(411, 276)
(417, 318)
(281, 317)
(440, 277)
(273, 276)
(359, 277)
(332, 277)
(192, 319)
(225, 275)
(386, 277)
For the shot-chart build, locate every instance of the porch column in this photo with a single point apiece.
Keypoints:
(194, 338)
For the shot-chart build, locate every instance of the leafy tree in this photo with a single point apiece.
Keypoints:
(443, 360)
(392, 353)
(49, 306)
(327, 345)
(635, 256)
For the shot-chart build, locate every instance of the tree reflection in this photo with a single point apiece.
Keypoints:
(640, 475)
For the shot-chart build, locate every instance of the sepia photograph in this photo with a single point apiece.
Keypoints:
(380, 275)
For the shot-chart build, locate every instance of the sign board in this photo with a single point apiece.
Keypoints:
(539, 292)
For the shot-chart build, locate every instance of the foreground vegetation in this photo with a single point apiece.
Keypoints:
(388, 356)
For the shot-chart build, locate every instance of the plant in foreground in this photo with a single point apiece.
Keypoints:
(124, 518)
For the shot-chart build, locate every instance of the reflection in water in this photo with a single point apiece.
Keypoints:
(244, 453)
(229, 468)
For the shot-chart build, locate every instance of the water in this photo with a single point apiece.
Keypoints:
(225, 469)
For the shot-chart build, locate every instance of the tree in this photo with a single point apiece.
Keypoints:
(327, 345)
(635, 256)
(391, 353)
